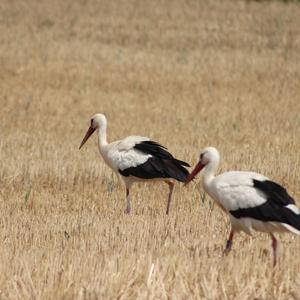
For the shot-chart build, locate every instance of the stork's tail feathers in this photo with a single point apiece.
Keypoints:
(176, 169)
(292, 220)
(182, 163)
(291, 229)
(163, 162)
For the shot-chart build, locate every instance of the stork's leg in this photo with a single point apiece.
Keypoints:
(274, 246)
(171, 187)
(229, 242)
(128, 206)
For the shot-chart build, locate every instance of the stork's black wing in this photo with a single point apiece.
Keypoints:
(275, 209)
(161, 164)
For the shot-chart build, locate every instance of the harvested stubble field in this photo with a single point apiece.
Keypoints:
(186, 73)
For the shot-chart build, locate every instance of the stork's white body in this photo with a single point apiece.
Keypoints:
(120, 155)
(137, 158)
(234, 190)
(252, 201)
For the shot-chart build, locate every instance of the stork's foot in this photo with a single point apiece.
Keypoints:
(128, 205)
(229, 243)
(227, 247)
(274, 247)
(168, 210)
(127, 210)
(171, 187)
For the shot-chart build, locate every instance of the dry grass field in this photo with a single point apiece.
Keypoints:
(186, 73)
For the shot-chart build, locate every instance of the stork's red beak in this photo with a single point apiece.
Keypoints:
(196, 170)
(87, 135)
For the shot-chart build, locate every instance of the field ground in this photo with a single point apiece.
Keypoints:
(188, 74)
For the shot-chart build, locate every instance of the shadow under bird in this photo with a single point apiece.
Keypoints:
(137, 158)
(251, 200)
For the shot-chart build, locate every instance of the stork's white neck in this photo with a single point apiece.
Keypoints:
(209, 173)
(102, 139)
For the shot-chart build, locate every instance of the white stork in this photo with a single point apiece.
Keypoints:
(137, 158)
(252, 200)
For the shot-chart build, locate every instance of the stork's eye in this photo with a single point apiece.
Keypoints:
(92, 121)
(201, 156)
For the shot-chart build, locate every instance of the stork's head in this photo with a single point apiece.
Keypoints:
(208, 156)
(97, 121)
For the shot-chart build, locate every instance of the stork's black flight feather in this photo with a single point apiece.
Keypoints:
(274, 209)
(161, 164)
